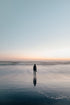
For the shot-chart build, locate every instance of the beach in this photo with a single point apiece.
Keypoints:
(52, 84)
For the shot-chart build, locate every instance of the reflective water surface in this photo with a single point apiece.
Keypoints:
(50, 85)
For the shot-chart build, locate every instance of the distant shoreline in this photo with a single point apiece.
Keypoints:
(32, 62)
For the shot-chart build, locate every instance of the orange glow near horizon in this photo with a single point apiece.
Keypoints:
(45, 59)
(30, 58)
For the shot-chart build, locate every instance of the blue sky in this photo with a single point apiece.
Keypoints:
(34, 29)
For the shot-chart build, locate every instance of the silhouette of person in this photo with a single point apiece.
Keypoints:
(34, 68)
(34, 75)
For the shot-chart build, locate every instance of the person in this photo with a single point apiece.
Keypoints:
(34, 75)
(34, 68)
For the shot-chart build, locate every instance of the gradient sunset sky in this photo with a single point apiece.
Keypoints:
(34, 29)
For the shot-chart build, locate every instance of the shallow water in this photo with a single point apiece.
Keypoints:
(52, 85)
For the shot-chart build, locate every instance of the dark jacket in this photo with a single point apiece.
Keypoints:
(35, 68)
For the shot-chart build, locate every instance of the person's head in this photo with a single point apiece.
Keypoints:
(34, 64)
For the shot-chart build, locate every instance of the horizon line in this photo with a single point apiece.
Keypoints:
(34, 59)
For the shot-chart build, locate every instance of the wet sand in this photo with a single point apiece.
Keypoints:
(52, 85)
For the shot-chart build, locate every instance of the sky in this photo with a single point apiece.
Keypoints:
(34, 29)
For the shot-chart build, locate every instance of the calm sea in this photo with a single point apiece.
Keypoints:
(49, 86)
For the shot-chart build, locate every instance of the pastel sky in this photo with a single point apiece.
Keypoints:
(34, 29)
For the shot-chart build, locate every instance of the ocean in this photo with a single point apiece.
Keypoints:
(49, 86)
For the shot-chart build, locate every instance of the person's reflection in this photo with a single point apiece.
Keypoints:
(34, 79)
(34, 75)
